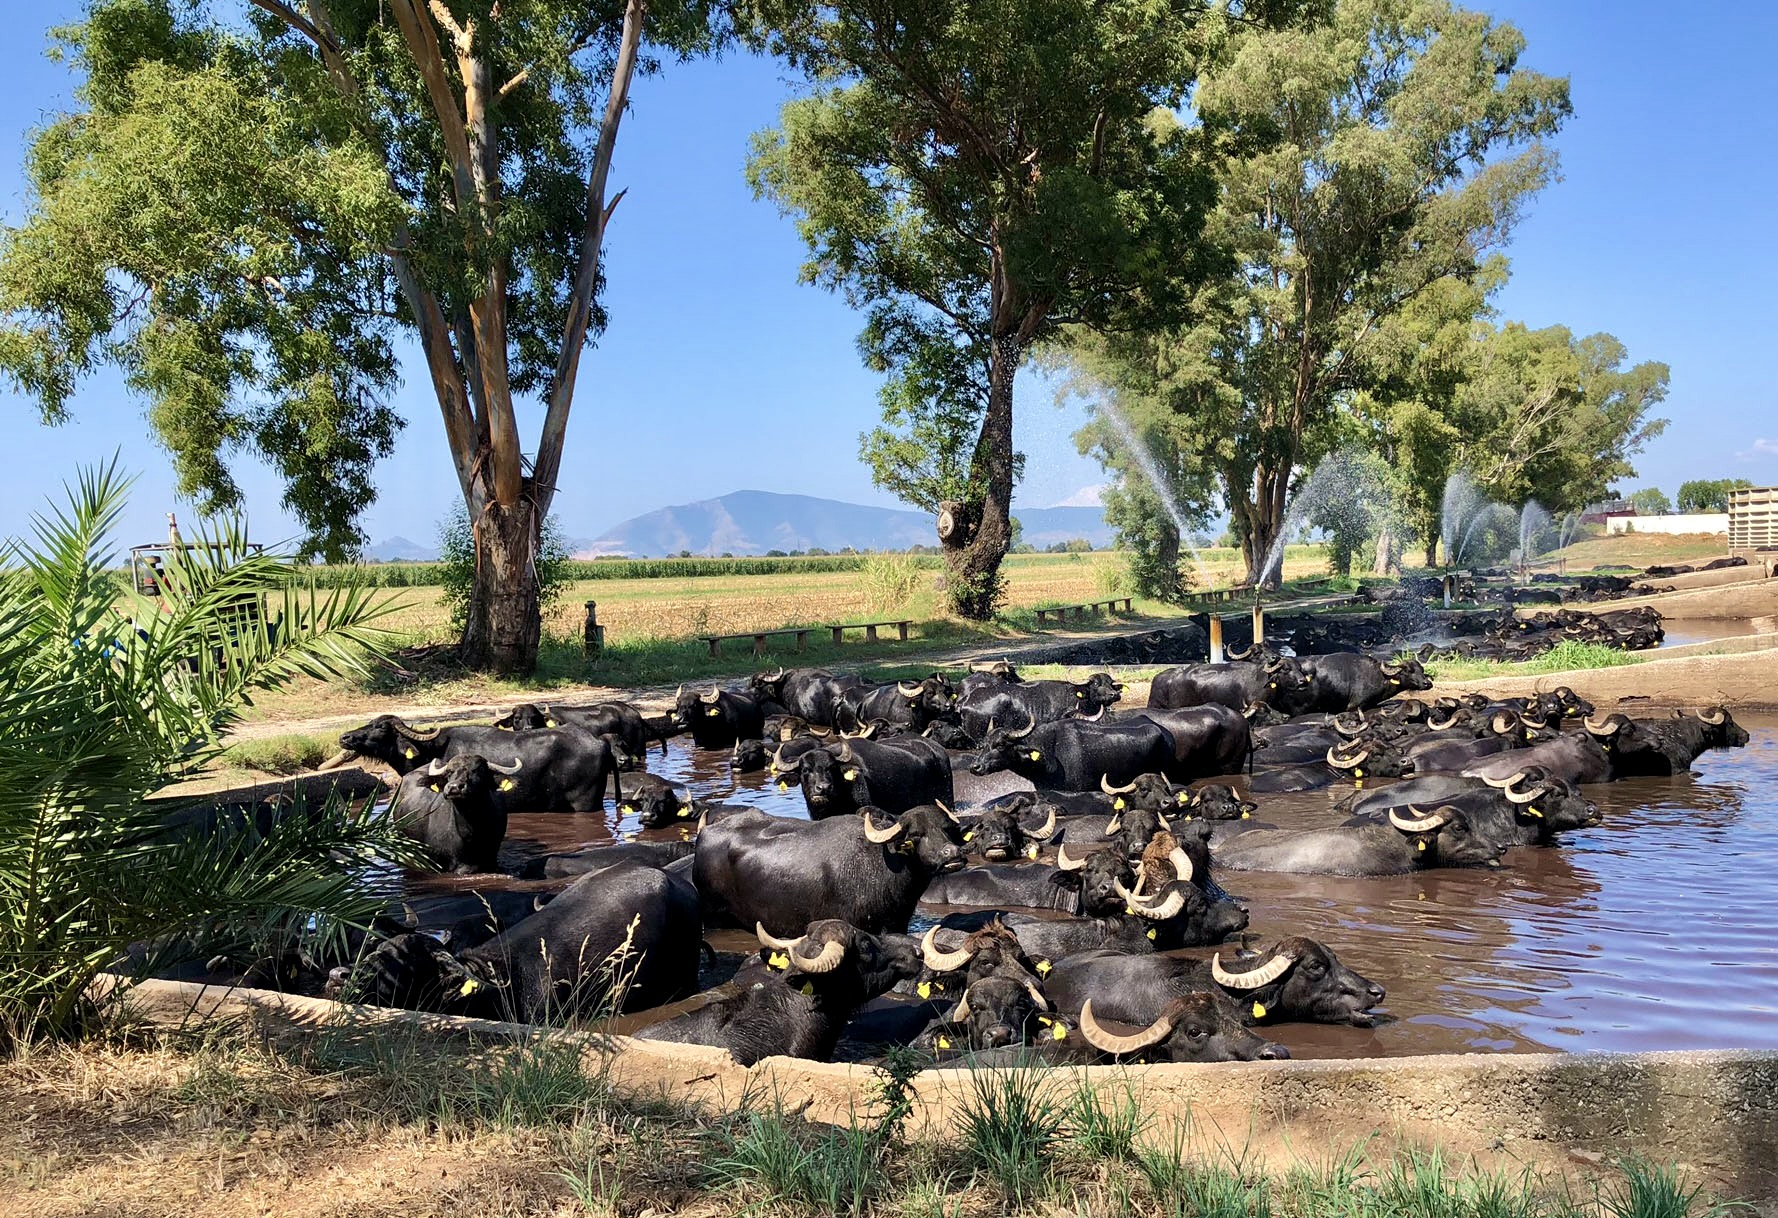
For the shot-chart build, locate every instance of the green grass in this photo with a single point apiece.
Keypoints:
(1563, 657)
(288, 754)
(1009, 1124)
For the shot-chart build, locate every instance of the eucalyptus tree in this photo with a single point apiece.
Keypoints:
(257, 202)
(975, 176)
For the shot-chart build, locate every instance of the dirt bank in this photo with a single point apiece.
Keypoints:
(1746, 598)
(1744, 681)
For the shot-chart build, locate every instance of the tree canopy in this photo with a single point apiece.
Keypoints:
(1709, 494)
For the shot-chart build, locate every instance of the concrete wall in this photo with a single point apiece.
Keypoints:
(1715, 1113)
(1695, 522)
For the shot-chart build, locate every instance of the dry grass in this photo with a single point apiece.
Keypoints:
(1640, 550)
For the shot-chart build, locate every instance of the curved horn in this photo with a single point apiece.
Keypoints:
(436, 766)
(960, 1012)
(1106, 1042)
(1424, 824)
(1501, 784)
(1275, 664)
(1043, 1004)
(1113, 825)
(1600, 726)
(337, 760)
(821, 733)
(1232, 654)
(1030, 726)
(908, 689)
(1064, 863)
(938, 959)
(1392, 668)
(845, 750)
(777, 676)
(413, 733)
(711, 698)
(1516, 796)
(1349, 723)
(1105, 786)
(1440, 725)
(1160, 911)
(518, 763)
(777, 945)
(1345, 763)
(1182, 864)
(1047, 830)
(1092, 718)
(942, 807)
(679, 693)
(824, 961)
(1252, 979)
(879, 836)
(1715, 716)
(1502, 722)
(781, 766)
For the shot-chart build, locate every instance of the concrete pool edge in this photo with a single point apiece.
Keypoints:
(1715, 1112)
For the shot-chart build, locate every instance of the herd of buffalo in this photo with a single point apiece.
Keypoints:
(1085, 877)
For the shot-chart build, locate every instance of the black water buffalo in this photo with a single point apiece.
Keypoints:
(907, 704)
(1216, 801)
(1279, 682)
(999, 832)
(718, 718)
(1034, 702)
(813, 984)
(811, 694)
(1671, 745)
(998, 673)
(1197, 1027)
(749, 756)
(604, 857)
(1530, 811)
(868, 870)
(1075, 755)
(995, 1012)
(1092, 884)
(1207, 740)
(656, 802)
(1411, 840)
(893, 775)
(1431, 755)
(1347, 681)
(455, 809)
(1355, 761)
(1299, 980)
(614, 719)
(628, 937)
(1576, 756)
(560, 769)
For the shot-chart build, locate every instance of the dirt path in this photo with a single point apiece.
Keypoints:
(1744, 680)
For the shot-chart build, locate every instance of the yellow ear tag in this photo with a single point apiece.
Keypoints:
(1078, 694)
(808, 989)
(777, 960)
(684, 813)
(944, 1043)
(1420, 845)
(685, 833)
(1358, 773)
(850, 775)
(433, 786)
(503, 727)
(1044, 967)
(1059, 1032)
(1151, 933)
(470, 986)
(1031, 851)
(507, 784)
(1259, 1010)
(409, 753)
(1128, 912)
(1358, 784)
(1045, 1020)
(626, 809)
(924, 989)
(550, 723)
(970, 836)
(1118, 804)
(1534, 812)
(1244, 816)
(1036, 756)
(713, 711)
(782, 785)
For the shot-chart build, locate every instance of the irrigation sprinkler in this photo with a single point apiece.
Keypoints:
(1259, 620)
(1215, 639)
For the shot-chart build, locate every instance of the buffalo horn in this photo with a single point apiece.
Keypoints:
(1113, 825)
(821, 733)
(402, 729)
(1715, 716)
(938, 959)
(1030, 724)
(824, 961)
(1064, 863)
(1043, 1004)
(777, 676)
(1275, 665)
(1601, 727)
(940, 805)
(908, 689)
(1182, 864)
(518, 763)
(1516, 796)
(960, 1013)
(1044, 832)
(1501, 784)
(1441, 724)
(879, 836)
(1502, 722)
(1160, 912)
(436, 766)
(711, 698)
(1232, 654)
(767, 940)
(845, 749)
(781, 766)
(866, 732)
(1348, 723)
(1345, 763)
(337, 760)
(1106, 1042)
(1092, 718)
(1105, 786)
(1423, 824)
(1252, 979)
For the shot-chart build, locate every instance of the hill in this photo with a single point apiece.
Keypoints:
(753, 522)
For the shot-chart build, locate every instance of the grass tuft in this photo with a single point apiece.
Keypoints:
(1563, 657)
(1010, 1122)
(832, 1169)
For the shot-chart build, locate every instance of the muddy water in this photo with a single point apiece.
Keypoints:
(1656, 930)
(1680, 631)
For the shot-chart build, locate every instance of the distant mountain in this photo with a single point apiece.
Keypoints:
(753, 522)
(400, 549)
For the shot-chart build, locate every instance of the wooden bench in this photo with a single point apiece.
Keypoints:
(759, 638)
(870, 629)
(1061, 612)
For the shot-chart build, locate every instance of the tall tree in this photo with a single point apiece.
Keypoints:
(976, 176)
(1367, 158)
(1709, 494)
(258, 200)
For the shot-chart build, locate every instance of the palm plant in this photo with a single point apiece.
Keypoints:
(105, 697)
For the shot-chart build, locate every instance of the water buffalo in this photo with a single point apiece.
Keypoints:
(1529, 810)
(615, 719)
(455, 809)
(1280, 682)
(812, 694)
(995, 1012)
(894, 775)
(604, 857)
(1196, 1027)
(1354, 761)
(749, 756)
(999, 832)
(868, 870)
(1207, 740)
(1412, 840)
(908, 704)
(628, 937)
(1299, 980)
(656, 802)
(1076, 755)
(813, 984)
(1576, 756)
(1034, 702)
(560, 769)
(1000, 672)
(1347, 681)
(718, 718)
(1669, 746)
(1089, 884)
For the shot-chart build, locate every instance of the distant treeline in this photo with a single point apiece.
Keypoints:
(431, 574)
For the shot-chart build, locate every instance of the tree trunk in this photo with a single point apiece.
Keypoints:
(1386, 560)
(1172, 581)
(1432, 551)
(975, 544)
(505, 623)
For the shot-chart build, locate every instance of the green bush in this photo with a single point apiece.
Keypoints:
(890, 581)
(109, 699)
(456, 565)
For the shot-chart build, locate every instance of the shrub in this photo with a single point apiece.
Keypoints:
(456, 565)
(1009, 1125)
(889, 581)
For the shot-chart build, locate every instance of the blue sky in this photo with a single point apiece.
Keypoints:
(720, 372)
